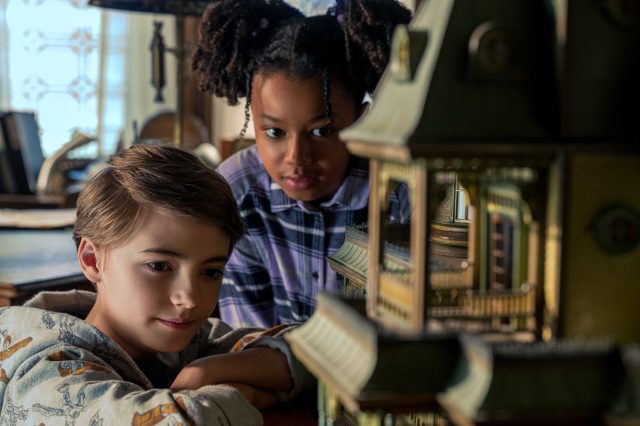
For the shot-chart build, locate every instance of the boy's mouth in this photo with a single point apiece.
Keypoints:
(176, 324)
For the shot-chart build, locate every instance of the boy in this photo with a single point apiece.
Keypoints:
(143, 348)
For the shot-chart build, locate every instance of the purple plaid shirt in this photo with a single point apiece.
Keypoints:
(276, 271)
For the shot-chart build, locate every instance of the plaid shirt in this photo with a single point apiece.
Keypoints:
(276, 271)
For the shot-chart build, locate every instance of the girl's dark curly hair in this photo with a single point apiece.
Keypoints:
(240, 38)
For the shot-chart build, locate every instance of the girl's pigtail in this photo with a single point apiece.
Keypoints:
(231, 37)
(368, 26)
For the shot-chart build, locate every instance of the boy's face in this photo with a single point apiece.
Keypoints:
(158, 288)
(299, 149)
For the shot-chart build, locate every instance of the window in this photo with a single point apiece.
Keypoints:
(60, 67)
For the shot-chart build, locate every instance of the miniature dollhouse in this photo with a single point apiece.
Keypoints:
(510, 297)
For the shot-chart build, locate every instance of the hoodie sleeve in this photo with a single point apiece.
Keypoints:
(69, 385)
(223, 339)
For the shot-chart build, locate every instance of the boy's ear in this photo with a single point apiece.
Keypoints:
(88, 258)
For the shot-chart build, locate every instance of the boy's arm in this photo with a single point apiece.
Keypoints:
(260, 367)
(71, 383)
(255, 357)
(260, 399)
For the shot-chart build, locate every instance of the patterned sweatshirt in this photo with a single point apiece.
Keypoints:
(55, 368)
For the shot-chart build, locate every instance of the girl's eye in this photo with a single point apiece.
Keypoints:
(212, 273)
(322, 132)
(274, 133)
(157, 266)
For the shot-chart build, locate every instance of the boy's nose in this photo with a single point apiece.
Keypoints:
(185, 293)
(298, 150)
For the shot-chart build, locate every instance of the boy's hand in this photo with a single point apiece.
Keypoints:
(259, 398)
(195, 375)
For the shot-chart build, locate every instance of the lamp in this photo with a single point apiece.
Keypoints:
(180, 9)
(174, 7)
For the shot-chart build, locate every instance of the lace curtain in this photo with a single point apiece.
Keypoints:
(80, 68)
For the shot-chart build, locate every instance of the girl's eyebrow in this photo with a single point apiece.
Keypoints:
(171, 253)
(271, 118)
(319, 117)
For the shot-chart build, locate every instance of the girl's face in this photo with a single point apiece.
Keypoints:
(160, 286)
(299, 149)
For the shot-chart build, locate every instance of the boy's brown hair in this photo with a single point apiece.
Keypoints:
(162, 179)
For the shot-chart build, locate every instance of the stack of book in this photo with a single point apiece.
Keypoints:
(21, 154)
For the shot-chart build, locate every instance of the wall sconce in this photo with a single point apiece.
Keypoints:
(179, 8)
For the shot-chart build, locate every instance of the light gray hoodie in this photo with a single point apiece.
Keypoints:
(55, 368)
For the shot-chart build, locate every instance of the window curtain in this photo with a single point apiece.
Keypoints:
(80, 68)
(4, 65)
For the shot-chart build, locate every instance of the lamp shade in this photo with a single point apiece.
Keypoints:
(173, 7)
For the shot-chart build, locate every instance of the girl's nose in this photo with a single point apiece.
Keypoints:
(298, 151)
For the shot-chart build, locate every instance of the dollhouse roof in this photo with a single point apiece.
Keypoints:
(527, 74)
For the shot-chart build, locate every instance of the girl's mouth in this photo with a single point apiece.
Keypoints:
(300, 182)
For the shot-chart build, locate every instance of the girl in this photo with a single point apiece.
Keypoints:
(304, 80)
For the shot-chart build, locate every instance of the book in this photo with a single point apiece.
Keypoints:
(7, 180)
(566, 382)
(22, 138)
(370, 368)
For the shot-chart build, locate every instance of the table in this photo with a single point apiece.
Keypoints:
(32, 260)
(39, 201)
(301, 411)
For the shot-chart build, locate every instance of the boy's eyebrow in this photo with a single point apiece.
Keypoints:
(166, 252)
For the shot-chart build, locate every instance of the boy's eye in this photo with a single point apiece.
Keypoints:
(274, 133)
(212, 273)
(157, 266)
(322, 132)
